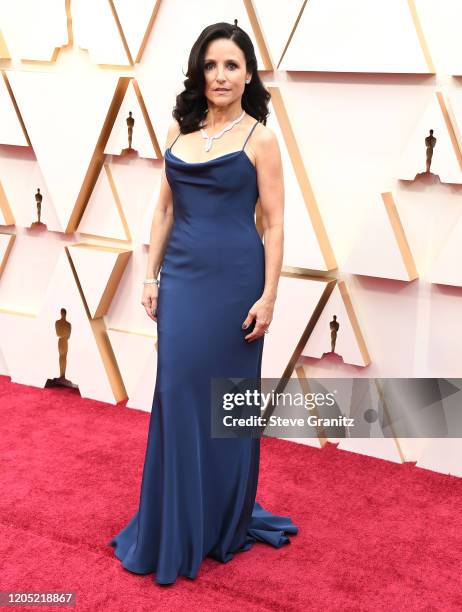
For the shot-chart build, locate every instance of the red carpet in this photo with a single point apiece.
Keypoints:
(374, 535)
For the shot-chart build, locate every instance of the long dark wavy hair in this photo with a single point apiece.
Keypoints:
(191, 104)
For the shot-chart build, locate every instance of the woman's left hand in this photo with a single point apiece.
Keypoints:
(262, 310)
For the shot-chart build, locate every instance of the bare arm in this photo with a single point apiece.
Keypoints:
(271, 191)
(161, 227)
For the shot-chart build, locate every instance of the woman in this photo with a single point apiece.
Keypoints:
(212, 306)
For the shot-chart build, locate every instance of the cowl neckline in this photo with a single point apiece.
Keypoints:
(218, 159)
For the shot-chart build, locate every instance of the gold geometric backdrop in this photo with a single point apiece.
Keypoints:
(371, 237)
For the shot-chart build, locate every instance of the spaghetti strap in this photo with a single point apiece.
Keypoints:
(250, 134)
(170, 147)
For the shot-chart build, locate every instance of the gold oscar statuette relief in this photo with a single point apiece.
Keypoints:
(130, 126)
(63, 331)
(38, 205)
(427, 176)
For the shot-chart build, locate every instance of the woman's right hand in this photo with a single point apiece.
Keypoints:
(149, 301)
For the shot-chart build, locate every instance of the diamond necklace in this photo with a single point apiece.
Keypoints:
(210, 139)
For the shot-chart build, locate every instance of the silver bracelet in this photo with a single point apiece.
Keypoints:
(151, 281)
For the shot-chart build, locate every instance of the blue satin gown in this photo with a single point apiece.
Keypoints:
(198, 492)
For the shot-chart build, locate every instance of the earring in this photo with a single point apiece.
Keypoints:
(248, 81)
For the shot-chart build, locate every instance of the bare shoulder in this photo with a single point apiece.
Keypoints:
(172, 132)
(174, 126)
(264, 134)
(266, 144)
